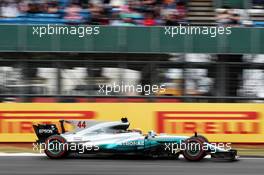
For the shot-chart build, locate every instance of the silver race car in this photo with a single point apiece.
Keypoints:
(114, 138)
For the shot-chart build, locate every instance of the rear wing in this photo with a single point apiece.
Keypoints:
(43, 131)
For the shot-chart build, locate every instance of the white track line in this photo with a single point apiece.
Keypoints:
(251, 158)
(21, 154)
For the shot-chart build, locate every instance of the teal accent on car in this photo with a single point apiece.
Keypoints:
(148, 143)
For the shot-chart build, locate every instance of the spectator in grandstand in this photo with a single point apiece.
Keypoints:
(228, 17)
(174, 16)
(181, 11)
(72, 12)
(63, 3)
(52, 7)
(170, 18)
(34, 8)
(9, 9)
(132, 10)
(98, 15)
(223, 17)
(23, 6)
(149, 20)
(116, 20)
(169, 4)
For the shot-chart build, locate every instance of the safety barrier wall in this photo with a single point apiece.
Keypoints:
(237, 4)
(220, 122)
(23, 38)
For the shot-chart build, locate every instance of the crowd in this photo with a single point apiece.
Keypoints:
(231, 17)
(97, 12)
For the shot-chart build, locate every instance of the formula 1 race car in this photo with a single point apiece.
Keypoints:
(92, 137)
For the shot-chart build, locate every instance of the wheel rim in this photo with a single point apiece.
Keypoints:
(193, 148)
(56, 147)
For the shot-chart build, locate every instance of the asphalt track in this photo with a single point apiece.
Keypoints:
(28, 165)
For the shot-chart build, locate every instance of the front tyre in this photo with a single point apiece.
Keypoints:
(56, 147)
(194, 149)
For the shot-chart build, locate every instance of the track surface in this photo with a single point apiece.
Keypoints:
(41, 165)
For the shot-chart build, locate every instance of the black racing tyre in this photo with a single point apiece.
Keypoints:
(56, 147)
(194, 149)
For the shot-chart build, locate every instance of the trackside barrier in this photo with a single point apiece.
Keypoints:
(220, 122)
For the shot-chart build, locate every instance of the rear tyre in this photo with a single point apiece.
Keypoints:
(194, 149)
(56, 147)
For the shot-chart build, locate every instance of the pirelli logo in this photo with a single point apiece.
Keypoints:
(208, 122)
(21, 121)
